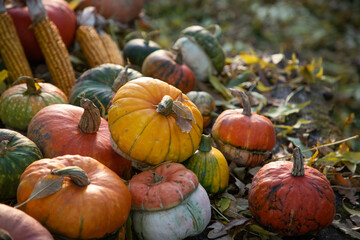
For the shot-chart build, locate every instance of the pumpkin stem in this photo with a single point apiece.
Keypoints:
(244, 100)
(36, 10)
(205, 143)
(5, 235)
(165, 106)
(76, 174)
(178, 56)
(121, 79)
(90, 120)
(32, 86)
(3, 146)
(157, 178)
(298, 166)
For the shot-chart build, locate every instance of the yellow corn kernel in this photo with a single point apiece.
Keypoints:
(56, 54)
(112, 49)
(91, 45)
(11, 49)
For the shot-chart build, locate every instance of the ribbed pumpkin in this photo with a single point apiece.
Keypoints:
(242, 136)
(67, 129)
(152, 122)
(92, 200)
(16, 153)
(21, 226)
(291, 198)
(21, 102)
(201, 50)
(99, 84)
(205, 102)
(210, 166)
(169, 67)
(136, 50)
(168, 203)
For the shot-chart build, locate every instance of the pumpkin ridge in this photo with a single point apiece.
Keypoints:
(195, 222)
(118, 118)
(167, 154)
(138, 137)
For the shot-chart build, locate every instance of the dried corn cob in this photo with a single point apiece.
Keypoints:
(112, 49)
(11, 49)
(91, 45)
(52, 46)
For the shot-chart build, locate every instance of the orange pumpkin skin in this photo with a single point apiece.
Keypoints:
(243, 139)
(291, 205)
(20, 225)
(55, 131)
(77, 212)
(167, 66)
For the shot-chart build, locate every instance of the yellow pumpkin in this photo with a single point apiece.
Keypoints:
(151, 122)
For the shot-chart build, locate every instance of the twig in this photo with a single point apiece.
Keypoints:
(222, 215)
(321, 146)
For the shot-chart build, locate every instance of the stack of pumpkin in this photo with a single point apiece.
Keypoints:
(73, 145)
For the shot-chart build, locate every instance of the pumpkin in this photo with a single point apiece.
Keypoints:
(67, 129)
(205, 102)
(201, 50)
(169, 67)
(244, 137)
(136, 50)
(99, 84)
(19, 103)
(59, 12)
(20, 225)
(90, 202)
(152, 122)
(210, 166)
(120, 10)
(16, 153)
(168, 203)
(291, 198)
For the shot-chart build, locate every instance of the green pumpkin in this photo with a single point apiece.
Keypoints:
(136, 50)
(20, 103)
(16, 153)
(210, 166)
(201, 51)
(98, 84)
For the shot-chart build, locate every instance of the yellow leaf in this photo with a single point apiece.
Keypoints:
(262, 88)
(343, 148)
(250, 59)
(320, 73)
(74, 3)
(349, 120)
(3, 75)
(312, 159)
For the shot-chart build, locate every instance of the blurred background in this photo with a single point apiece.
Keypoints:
(327, 30)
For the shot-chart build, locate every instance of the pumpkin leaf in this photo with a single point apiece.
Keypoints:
(46, 186)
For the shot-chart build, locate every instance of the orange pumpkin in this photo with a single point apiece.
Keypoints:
(92, 201)
(244, 137)
(292, 198)
(152, 122)
(67, 129)
(20, 225)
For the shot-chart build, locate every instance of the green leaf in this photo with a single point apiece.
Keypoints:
(278, 113)
(298, 143)
(215, 82)
(223, 204)
(243, 77)
(48, 185)
(351, 159)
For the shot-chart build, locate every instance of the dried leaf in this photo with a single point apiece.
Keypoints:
(346, 230)
(46, 186)
(183, 116)
(351, 211)
(218, 230)
(279, 113)
(260, 230)
(348, 121)
(215, 82)
(184, 124)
